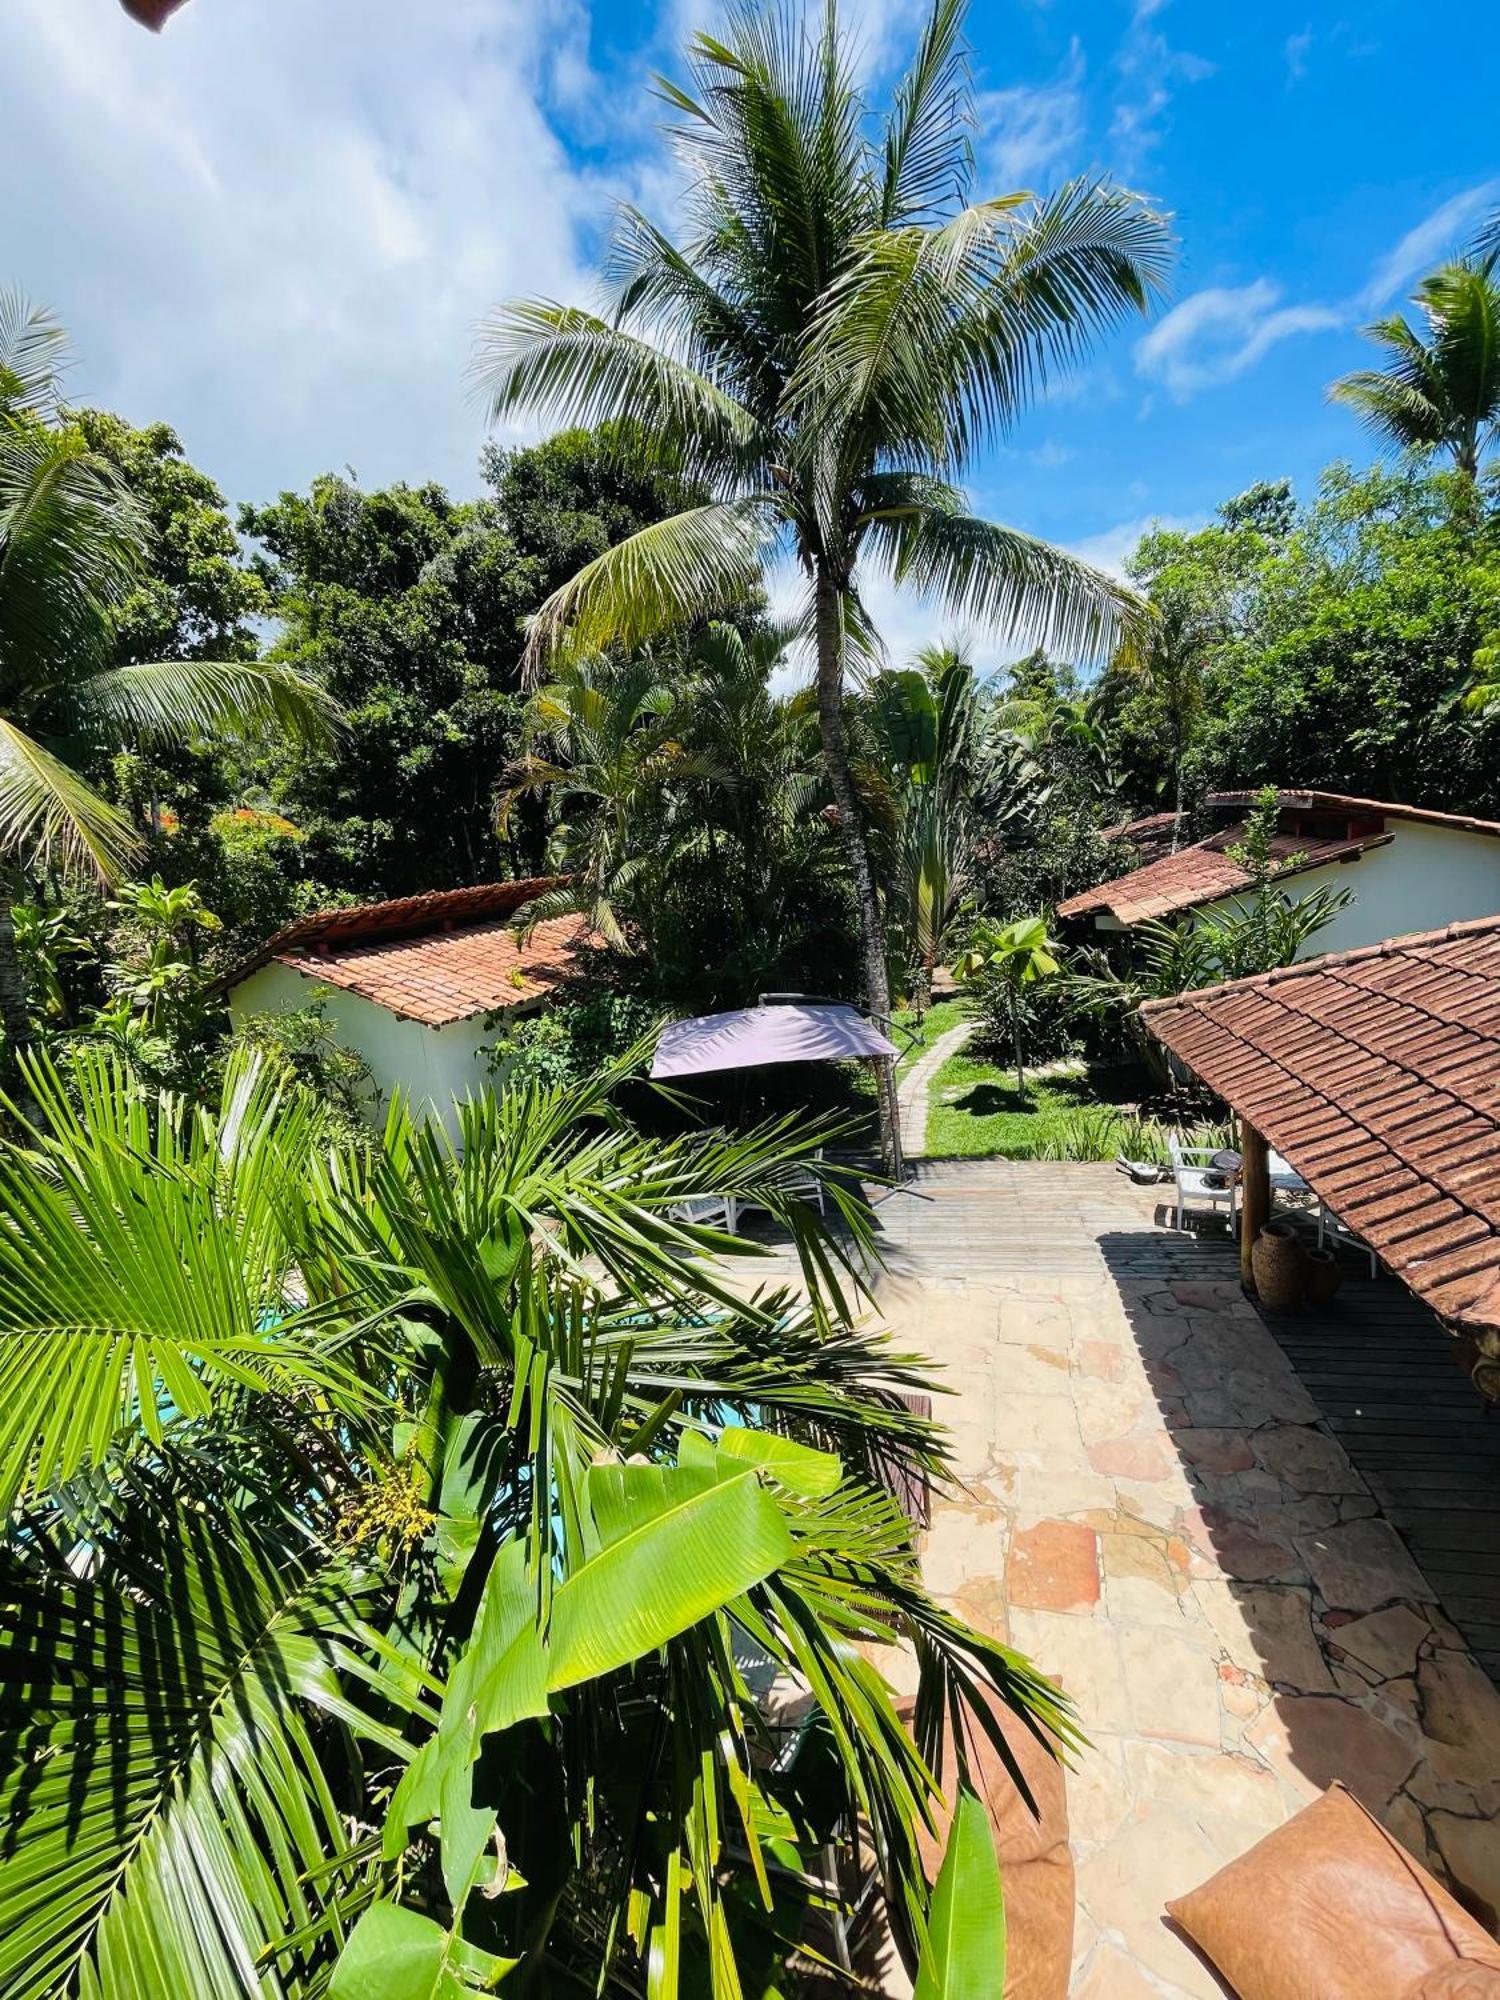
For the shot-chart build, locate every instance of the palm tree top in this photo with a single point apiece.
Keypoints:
(839, 328)
(1440, 387)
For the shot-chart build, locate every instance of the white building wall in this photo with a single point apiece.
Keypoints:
(1422, 878)
(434, 1067)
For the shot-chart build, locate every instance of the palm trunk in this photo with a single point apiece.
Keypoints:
(1017, 1043)
(877, 992)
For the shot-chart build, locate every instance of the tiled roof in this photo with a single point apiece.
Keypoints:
(1202, 873)
(1377, 1074)
(1151, 837)
(436, 958)
(1346, 802)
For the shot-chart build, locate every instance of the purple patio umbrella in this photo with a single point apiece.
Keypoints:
(751, 1036)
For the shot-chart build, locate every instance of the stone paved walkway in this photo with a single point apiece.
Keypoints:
(1155, 1513)
(916, 1087)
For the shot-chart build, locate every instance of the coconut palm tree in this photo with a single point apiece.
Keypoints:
(839, 331)
(1440, 388)
(72, 545)
(394, 1533)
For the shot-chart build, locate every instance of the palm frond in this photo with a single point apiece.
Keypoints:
(145, 1263)
(691, 565)
(929, 154)
(170, 1686)
(33, 353)
(171, 701)
(71, 538)
(49, 816)
(1037, 595)
(569, 365)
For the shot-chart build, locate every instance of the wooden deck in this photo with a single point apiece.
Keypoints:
(1386, 1377)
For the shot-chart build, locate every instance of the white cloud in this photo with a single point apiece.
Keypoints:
(281, 239)
(1295, 50)
(1216, 334)
(1027, 132)
(1149, 70)
(1111, 548)
(1425, 245)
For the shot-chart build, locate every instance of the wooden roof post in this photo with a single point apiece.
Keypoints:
(1255, 1195)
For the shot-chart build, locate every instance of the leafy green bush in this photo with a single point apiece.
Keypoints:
(570, 1041)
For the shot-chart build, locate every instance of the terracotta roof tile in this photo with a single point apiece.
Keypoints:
(1201, 871)
(436, 958)
(1377, 1074)
(451, 975)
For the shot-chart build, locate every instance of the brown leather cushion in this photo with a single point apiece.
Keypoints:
(1329, 1907)
(1465, 1981)
(1036, 1865)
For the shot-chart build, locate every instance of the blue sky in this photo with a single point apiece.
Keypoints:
(277, 224)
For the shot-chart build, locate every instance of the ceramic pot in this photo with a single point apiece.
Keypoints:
(1280, 1266)
(1322, 1277)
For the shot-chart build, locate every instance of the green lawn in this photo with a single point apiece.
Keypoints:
(974, 1111)
(939, 1019)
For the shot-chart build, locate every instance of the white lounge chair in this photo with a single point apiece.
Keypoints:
(1200, 1185)
(719, 1211)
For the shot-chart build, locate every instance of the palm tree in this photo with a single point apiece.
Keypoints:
(837, 334)
(413, 1515)
(72, 545)
(1171, 666)
(601, 740)
(1440, 389)
(928, 726)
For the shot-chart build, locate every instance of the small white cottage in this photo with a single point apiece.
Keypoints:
(1410, 869)
(409, 983)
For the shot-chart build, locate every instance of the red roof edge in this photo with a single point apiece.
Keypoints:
(400, 916)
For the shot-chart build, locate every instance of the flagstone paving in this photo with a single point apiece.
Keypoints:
(1153, 1509)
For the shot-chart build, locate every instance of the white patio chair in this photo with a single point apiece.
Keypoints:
(1200, 1186)
(1331, 1228)
(718, 1211)
(803, 1186)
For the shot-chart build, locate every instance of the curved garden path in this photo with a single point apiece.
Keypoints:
(917, 1082)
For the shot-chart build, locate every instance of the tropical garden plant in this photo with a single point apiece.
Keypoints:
(1013, 958)
(400, 1535)
(72, 546)
(840, 328)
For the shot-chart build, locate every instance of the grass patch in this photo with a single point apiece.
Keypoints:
(974, 1111)
(939, 1018)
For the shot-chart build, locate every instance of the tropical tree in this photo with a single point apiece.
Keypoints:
(72, 544)
(601, 740)
(1440, 387)
(1167, 956)
(928, 727)
(1017, 955)
(838, 332)
(421, 1519)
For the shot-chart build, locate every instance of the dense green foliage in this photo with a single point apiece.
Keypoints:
(1333, 642)
(421, 1528)
(411, 607)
